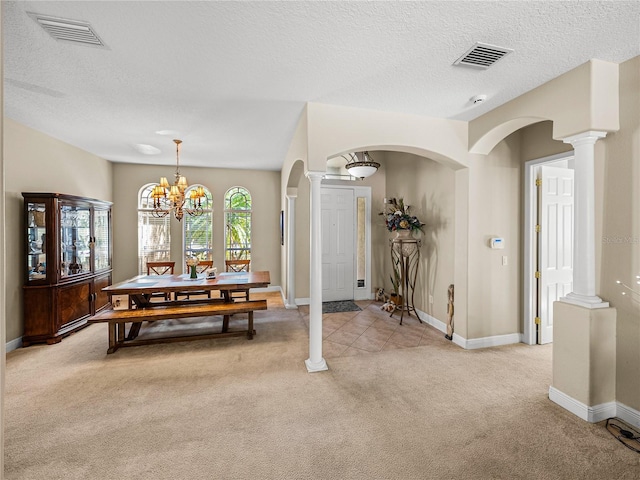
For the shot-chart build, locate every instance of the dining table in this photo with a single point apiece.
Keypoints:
(144, 305)
(141, 288)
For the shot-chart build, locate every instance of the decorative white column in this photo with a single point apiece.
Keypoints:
(291, 250)
(584, 252)
(315, 362)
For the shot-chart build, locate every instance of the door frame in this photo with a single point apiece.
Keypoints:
(529, 251)
(359, 293)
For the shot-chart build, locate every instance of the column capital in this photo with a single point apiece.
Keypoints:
(314, 175)
(589, 137)
(292, 192)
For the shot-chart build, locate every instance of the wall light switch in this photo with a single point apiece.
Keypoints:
(504, 260)
(430, 298)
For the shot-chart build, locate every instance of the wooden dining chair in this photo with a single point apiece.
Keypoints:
(202, 266)
(160, 268)
(238, 266)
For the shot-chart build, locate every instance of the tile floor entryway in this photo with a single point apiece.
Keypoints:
(370, 330)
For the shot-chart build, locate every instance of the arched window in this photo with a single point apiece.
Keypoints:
(237, 220)
(154, 237)
(198, 230)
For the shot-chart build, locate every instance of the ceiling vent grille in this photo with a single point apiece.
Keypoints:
(68, 30)
(482, 55)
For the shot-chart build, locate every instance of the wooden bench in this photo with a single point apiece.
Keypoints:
(117, 320)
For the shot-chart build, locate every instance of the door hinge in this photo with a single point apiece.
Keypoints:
(537, 274)
(538, 182)
(537, 320)
(537, 228)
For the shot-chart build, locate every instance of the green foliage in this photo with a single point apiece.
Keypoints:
(238, 224)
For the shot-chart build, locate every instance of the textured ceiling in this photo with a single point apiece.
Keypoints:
(232, 78)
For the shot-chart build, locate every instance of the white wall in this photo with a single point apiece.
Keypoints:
(619, 241)
(429, 188)
(35, 162)
(494, 211)
(264, 187)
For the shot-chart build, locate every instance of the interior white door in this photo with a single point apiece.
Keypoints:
(555, 243)
(337, 244)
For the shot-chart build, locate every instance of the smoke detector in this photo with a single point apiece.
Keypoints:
(477, 99)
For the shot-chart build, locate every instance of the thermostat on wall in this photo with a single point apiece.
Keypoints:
(497, 242)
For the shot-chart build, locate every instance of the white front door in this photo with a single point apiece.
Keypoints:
(337, 244)
(555, 243)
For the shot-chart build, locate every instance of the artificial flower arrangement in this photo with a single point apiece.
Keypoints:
(192, 262)
(398, 216)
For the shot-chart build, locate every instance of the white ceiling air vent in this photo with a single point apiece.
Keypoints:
(68, 30)
(482, 55)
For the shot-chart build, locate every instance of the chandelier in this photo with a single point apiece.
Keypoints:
(360, 164)
(167, 198)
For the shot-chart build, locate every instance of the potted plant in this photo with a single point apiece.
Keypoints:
(398, 218)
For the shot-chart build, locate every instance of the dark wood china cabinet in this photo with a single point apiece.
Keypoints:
(67, 251)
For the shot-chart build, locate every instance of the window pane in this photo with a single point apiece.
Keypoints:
(154, 239)
(198, 230)
(237, 224)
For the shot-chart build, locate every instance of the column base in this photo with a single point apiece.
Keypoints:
(584, 357)
(587, 301)
(316, 366)
(290, 306)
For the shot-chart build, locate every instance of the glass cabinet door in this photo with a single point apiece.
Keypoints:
(101, 239)
(36, 241)
(75, 240)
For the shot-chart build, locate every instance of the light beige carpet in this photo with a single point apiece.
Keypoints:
(238, 409)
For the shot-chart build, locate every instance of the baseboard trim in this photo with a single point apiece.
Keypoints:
(433, 321)
(303, 301)
(628, 414)
(272, 288)
(594, 414)
(460, 341)
(474, 343)
(485, 342)
(13, 345)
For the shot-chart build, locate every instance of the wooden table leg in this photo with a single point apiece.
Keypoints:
(113, 345)
(120, 332)
(225, 323)
(134, 330)
(250, 331)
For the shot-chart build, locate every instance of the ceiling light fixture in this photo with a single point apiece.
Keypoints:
(360, 164)
(167, 198)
